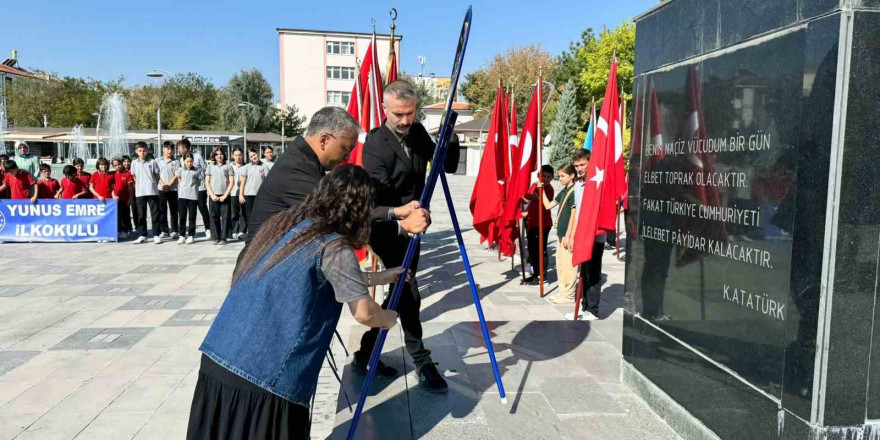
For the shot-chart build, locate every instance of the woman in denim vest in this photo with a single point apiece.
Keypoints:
(263, 353)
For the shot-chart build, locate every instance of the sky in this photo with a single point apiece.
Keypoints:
(108, 39)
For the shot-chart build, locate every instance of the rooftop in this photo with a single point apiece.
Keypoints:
(397, 37)
(4, 69)
(455, 106)
(64, 134)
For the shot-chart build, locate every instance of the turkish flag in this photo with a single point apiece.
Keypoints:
(525, 163)
(392, 63)
(365, 104)
(488, 194)
(605, 182)
(513, 140)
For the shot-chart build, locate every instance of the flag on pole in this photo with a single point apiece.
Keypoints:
(525, 163)
(392, 59)
(488, 193)
(591, 130)
(601, 189)
(365, 104)
(513, 139)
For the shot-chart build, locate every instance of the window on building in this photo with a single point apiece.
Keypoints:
(340, 47)
(335, 72)
(339, 99)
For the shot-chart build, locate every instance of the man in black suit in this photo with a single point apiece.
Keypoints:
(396, 156)
(331, 135)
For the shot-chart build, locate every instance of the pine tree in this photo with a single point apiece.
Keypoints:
(564, 128)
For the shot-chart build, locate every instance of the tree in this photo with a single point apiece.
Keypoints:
(141, 102)
(597, 61)
(191, 103)
(252, 87)
(569, 66)
(518, 68)
(294, 123)
(66, 101)
(565, 126)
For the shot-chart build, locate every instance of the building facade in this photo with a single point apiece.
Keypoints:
(318, 68)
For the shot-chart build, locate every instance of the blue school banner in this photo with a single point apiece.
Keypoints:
(57, 221)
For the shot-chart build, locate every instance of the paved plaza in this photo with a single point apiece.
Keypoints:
(100, 341)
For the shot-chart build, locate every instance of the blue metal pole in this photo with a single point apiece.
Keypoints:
(473, 284)
(448, 122)
(380, 341)
(424, 202)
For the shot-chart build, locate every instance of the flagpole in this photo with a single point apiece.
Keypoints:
(541, 186)
(620, 203)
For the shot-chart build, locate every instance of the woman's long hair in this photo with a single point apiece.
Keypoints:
(341, 204)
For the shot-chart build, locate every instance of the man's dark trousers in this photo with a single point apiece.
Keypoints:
(203, 209)
(408, 308)
(168, 204)
(153, 203)
(591, 280)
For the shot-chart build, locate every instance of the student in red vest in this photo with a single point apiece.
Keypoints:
(20, 183)
(47, 187)
(83, 176)
(71, 186)
(103, 182)
(123, 193)
(3, 158)
(533, 221)
(126, 162)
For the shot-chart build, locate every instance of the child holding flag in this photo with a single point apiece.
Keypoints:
(535, 223)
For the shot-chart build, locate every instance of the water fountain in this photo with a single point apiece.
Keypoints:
(79, 148)
(114, 120)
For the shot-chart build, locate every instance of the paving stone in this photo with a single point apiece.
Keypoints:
(211, 261)
(118, 289)
(9, 291)
(158, 269)
(145, 394)
(524, 416)
(155, 302)
(103, 338)
(72, 280)
(197, 317)
(54, 269)
(9, 360)
(581, 396)
(114, 426)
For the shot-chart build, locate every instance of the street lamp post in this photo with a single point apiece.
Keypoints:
(245, 104)
(159, 73)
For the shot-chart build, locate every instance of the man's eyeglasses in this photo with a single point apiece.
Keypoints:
(347, 149)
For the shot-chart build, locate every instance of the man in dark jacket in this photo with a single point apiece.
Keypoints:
(331, 135)
(396, 156)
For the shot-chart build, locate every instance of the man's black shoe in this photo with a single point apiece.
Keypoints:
(381, 369)
(431, 380)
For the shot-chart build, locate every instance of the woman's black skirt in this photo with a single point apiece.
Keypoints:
(226, 406)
